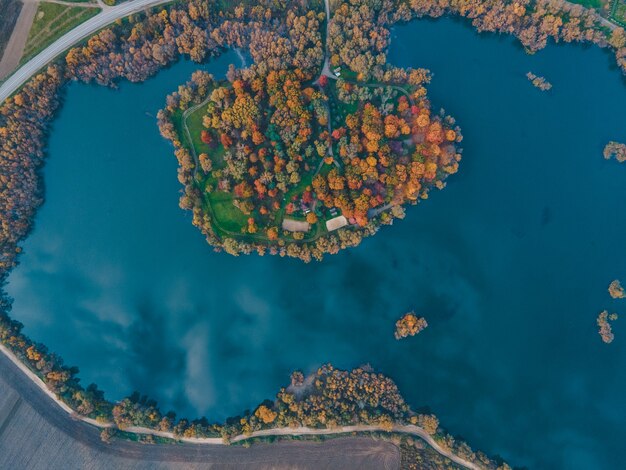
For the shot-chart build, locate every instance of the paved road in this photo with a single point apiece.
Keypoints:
(82, 31)
(326, 67)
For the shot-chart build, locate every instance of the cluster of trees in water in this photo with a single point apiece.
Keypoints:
(615, 150)
(539, 82)
(616, 291)
(409, 325)
(604, 324)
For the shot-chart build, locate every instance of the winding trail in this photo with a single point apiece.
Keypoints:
(82, 31)
(52, 401)
(37, 435)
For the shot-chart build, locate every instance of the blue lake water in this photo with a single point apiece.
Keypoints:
(510, 263)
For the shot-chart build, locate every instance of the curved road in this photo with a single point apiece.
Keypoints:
(32, 389)
(36, 434)
(82, 31)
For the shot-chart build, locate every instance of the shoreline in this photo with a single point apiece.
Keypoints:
(408, 429)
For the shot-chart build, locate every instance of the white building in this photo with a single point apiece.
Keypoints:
(336, 223)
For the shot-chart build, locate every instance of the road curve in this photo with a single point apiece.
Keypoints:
(82, 31)
(37, 435)
(30, 382)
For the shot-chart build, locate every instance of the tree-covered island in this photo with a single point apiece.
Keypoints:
(290, 157)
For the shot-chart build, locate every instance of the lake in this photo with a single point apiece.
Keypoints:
(510, 263)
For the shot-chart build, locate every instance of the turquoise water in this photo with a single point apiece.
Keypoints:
(509, 264)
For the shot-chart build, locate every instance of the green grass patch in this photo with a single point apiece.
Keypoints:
(194, 124)
(339, 109)
(52, 21)
(227, 216)
(346, 73)
(596, 4)
(177, 120)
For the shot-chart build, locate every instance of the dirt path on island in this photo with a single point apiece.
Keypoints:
(15, 48)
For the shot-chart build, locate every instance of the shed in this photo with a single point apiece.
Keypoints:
(295, 225)
(336, 223)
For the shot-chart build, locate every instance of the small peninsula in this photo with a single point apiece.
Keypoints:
(281, 165)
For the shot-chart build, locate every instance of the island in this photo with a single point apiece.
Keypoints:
(409, 325)
(603, 321)
(615, 150)
(301, 160)
(539, 82)
(616, 290)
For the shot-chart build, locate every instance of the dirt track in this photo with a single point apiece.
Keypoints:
(17, 42)
(36, 434)
(10, 12)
